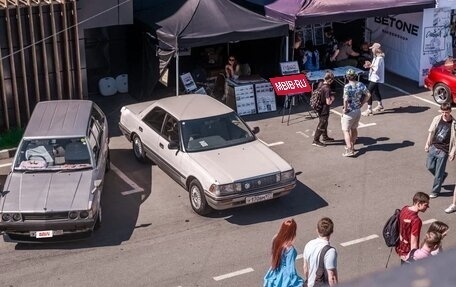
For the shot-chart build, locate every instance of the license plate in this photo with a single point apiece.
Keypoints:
(44, 234)
(258, 198)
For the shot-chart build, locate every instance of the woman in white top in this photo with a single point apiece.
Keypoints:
(376, 77)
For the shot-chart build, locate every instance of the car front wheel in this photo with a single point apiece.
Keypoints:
(138, 149)
(198, 199)
(442, 94)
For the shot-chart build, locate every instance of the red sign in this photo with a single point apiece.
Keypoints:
(287, 85)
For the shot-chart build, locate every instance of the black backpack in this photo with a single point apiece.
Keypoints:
(321, 277)
(391, 229)
(316, 101)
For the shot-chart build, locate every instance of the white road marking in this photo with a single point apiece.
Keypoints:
(276, 143)
(407, 93)
(361, 125)
(359, 240)
(124, 177)
(303, 134)
(271, 144)
(233, 274)
(366, 125)
(5, 164)
(429, 221)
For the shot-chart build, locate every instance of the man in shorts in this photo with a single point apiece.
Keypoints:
(355, 96)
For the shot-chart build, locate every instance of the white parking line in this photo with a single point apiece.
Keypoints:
(271, 144)
(124, 177)
(303, 134)
(359, 240)
(5, 164)
(361, 125)
(407, 93)
(429, 221)
(233, 274)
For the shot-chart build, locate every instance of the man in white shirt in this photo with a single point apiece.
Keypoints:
(311, 255)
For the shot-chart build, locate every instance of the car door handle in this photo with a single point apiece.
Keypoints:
(140, 129)
(161, 145)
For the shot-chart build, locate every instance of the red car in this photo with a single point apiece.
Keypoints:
(441, 80)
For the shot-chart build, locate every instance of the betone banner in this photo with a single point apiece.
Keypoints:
(287, 85)
(400, 37)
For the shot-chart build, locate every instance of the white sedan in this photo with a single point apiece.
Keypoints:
(208, 149)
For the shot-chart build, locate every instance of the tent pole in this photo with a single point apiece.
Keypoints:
(286, 47)
(177, 72)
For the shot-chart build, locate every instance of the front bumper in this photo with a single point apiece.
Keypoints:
(235, 200)
(60, 227)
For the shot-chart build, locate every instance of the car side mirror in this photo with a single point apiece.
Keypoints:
(97, 183)
(173, 145)
(256, 130)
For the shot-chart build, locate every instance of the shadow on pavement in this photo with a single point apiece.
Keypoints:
(301, 200)
(120, 204)
(382, 147)
(408, 109)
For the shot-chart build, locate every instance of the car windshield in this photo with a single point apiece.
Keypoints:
(214, 132)
(53, 154)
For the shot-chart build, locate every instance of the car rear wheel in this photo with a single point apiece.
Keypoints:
(138, 149)
(442, 94)
(198, 199)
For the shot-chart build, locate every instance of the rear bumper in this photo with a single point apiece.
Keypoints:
(220, 203)
(428, 84)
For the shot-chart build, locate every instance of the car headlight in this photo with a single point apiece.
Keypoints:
(224, 189)
(84, 214)
(6, 217)
(287, 175)
(17, 217)
(73, 214)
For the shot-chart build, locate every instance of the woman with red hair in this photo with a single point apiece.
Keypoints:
(282, 272)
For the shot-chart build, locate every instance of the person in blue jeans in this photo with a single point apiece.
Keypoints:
(440, 146)
(282, 272)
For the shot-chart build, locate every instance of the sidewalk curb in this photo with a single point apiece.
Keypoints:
(7, 153)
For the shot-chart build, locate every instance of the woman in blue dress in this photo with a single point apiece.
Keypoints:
(282, 272)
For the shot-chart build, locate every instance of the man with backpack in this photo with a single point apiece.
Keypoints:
(320, 259)
(325, 98)
(410, 225)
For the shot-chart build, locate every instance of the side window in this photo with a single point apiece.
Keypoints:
(154, 118)
(95, 136)
(171, 129)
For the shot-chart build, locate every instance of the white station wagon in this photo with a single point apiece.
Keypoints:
(208, 149)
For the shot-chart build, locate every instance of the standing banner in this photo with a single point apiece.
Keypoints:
(437, 41)
(400, 37)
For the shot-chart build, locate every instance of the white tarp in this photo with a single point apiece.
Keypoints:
(400, 37)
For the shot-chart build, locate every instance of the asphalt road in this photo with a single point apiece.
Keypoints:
(151, 237)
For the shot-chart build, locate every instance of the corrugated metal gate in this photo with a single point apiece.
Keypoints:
(39, 56)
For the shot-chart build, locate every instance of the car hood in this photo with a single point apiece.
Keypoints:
(240, 162)
(40, 192)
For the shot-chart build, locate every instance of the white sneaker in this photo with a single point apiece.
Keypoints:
(366, 113)
(451, 208)
(378, 108)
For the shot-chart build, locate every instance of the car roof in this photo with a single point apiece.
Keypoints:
(59, 119)
(193, 106)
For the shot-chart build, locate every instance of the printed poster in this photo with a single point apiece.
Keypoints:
(265, 98)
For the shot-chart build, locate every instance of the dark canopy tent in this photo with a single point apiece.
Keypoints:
(304, 12)
(178, 24)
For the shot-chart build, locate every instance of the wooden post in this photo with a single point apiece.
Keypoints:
(58, 77)
(36, 83)
(67, 73)
(78, 78)
(3, 92)
(44, 55)
(20, 36)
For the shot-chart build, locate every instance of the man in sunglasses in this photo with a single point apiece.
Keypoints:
(440, 146)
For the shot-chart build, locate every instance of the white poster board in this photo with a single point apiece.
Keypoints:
(289, 68)
(188, 82)
(437, 40)
(245, 100)
(265, 98)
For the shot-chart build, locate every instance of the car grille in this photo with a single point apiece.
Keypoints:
(258, 182)
(45, 216)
